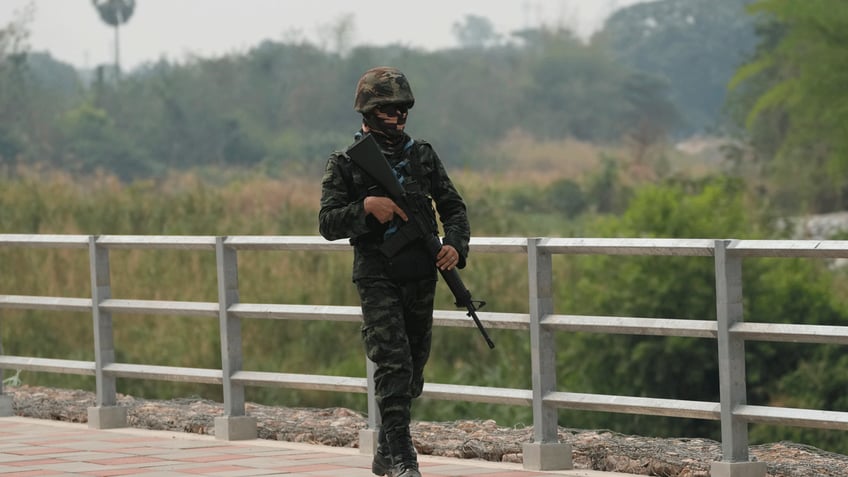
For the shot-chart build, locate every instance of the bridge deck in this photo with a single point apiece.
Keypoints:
(39, 447)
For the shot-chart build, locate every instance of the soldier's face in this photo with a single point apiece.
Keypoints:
(392, 117)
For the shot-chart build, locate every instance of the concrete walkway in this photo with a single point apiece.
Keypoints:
(37, 447)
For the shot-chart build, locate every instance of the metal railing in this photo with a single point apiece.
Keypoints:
(729, 330)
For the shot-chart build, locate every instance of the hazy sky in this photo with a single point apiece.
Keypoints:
(72, 31)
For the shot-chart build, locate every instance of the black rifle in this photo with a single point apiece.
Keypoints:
(366, 153)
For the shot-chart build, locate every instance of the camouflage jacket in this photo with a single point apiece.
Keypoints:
(345, 186)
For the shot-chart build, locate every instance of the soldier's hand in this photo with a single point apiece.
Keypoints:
(383, 209)
(447, 258)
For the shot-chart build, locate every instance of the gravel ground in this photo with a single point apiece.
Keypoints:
(592, 449)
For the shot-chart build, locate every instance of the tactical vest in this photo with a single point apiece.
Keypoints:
(414, 180)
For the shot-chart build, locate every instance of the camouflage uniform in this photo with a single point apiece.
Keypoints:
(397, 316)
(397, 313)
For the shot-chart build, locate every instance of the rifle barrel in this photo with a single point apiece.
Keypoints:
(463, 299)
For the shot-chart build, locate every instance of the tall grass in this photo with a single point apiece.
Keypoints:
(191, 204)
(185, 205)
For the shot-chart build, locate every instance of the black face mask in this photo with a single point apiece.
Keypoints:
(388, 120)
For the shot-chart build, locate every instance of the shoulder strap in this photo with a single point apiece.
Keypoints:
(415, 161)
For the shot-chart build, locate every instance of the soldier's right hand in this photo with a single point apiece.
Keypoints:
(383, 209)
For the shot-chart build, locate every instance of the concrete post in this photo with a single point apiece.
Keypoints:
(731, 364)
(545, 452)
(106, 414)
(6, 408)
(234, 425)
(368, 437)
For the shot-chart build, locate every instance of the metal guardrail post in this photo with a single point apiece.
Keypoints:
(234, 425)
(106, 414)
(545, 452)
(731, 365)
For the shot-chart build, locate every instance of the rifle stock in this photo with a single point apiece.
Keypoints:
(366, 153)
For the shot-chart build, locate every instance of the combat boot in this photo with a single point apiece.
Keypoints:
(404, 458)
(382, 462)
(406, 471)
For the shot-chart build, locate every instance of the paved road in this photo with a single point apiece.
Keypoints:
(37, 447)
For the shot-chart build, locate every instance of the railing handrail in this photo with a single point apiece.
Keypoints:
(729, 329)
(579, 246)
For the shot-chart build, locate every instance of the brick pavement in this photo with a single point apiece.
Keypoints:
(36, 447)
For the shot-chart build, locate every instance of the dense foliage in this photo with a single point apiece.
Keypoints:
(283, 106)
(794, 104)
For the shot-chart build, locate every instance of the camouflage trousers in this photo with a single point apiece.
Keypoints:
(397, 331)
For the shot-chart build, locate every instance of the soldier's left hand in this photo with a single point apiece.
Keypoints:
(447, 258)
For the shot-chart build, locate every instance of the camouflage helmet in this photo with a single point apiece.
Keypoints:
(382, 85)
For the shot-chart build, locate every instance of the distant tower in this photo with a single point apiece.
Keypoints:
(115, 13)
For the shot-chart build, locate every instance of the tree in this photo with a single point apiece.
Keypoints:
(475, 32)
(115, 13)
(339, 33)
(798, 107)
(94, 142)
(584, 92)
(695, 45)
(13, 87)
(780, 290)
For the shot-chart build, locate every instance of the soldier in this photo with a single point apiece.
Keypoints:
(397, 292)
